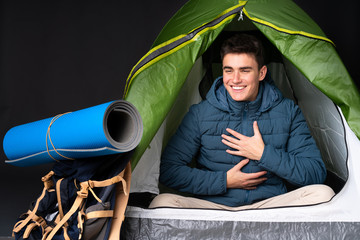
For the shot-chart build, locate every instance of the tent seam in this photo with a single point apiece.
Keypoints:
(174, 49)
(291, 32)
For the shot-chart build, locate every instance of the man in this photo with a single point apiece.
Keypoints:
(248, 140)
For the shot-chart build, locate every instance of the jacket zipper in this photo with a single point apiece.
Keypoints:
(246, 108)
(243, 130)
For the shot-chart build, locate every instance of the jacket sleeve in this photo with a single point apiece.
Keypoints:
(300, 163)
(179, 152)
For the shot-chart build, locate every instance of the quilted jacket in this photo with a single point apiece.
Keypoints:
(290, 151)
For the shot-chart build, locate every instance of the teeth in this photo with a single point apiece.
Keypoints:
(238, 88)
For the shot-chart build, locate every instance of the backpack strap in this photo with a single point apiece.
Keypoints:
(48, 184)
(81, 196)
(110, 181)
(58, 196)
(80, 218)
(85, 187)
(48, 229)
(121, 200)
(38, 222)
(99, 214)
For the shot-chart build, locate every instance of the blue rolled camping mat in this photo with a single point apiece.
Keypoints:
(109, 128)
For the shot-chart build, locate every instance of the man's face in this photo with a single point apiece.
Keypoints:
(241, 76)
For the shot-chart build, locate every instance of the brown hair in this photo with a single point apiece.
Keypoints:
(244, 43)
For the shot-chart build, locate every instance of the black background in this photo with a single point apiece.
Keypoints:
(59, 56)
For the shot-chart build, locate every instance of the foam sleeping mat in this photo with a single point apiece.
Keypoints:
(109, 128)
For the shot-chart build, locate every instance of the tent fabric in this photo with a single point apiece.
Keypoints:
(323, 119)
(109, 128)
(334, 80)
(267, 13)
(133, 228)
(192, 15)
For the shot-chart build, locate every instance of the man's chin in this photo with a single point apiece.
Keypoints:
(238, 99)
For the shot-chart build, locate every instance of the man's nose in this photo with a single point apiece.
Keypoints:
(237, 76)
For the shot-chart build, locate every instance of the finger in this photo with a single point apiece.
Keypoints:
(242, 163)
(257, 175)
(253, 177)
(256, 128)
(230, 139)
(235, 153)
(230, 144)
(255, 182)
(234, 133)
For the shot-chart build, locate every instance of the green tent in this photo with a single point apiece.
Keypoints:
(160, 74)
(303, 63)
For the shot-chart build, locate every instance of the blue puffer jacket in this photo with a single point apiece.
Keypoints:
(290, 152)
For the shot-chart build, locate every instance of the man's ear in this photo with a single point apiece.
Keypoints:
(262, 72)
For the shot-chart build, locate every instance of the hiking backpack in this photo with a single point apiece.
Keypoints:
(81, 199)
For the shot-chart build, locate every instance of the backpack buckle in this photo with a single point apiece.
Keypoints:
(48, 183)
(84, 190)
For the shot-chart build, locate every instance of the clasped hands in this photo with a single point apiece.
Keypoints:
(250, 148)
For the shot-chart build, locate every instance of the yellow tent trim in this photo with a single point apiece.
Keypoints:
(129, 81)
(286, 30)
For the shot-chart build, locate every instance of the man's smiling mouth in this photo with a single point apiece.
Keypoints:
(238, 87)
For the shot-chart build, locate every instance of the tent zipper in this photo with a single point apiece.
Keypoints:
(155, 53)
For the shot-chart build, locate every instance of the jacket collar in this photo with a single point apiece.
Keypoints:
(269, 96)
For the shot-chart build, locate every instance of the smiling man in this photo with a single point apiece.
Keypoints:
(241, 76)
(247, 139)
